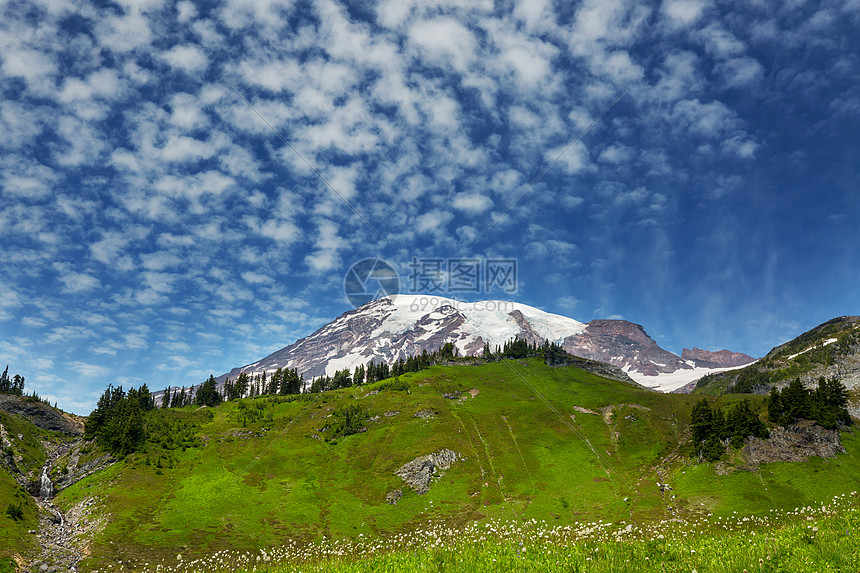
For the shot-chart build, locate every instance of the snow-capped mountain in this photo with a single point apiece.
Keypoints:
(403, 325)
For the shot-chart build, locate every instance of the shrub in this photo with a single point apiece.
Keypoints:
(15, 511)
(396, 385)
(349, 420)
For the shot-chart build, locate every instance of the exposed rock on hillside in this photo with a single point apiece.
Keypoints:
(794, 443)
(603, 369)
(42, 415)
(70, 464)
(418, 473)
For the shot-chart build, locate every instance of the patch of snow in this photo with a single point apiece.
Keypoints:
(350, 361)
(825, 343)
(489, 319)
(674, 380)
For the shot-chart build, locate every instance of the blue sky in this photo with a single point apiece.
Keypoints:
(155, 229)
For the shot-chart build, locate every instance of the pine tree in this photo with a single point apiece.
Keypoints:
(701, 422)
(5, 384)
(774, 405)
(18, 385)
(207, 394)
(795, 402)
(117, 423)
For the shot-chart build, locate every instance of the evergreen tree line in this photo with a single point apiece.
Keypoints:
(516, 348)
(713, 431)
(827, 404)
(374, 372)
(117, 423)
(176, 398)
(14, 385)
(282, 382)
(749, 379)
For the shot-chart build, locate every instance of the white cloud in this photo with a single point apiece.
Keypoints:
(276, 229)
(187, 112)
(706, 119)
(432, 222)
(265, 13)
(185, 11)
(108, 249)
(255, 278)
(741, 146)
(740, 72)
(75, 282)
(322, 261)
(572, 159)
(125, 32)
(88, 370)
(79, 282)
(35, 67)
(615, 154)
(10, 299)
(568, 303)
(188, 58)
(720, 42)
(83, 144)
(443, 42)
(536, 14)
(20, 123)
(561, 252)
(683, 13)
(678, 75)
(88, 98)
(135, 341)
(160, 260)
(41, 363)
(620, 67)
(183, 149)
(473, 202)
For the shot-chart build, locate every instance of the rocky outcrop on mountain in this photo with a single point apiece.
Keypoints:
(718, 359)
(794, 443)
(603, 369)
(71, 462)
(418, 473)
(41, 415)
(623, 344)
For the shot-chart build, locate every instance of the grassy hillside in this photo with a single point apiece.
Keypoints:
(28, 455)
(555, 444)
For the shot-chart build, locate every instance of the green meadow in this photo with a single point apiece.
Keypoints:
(537, 444)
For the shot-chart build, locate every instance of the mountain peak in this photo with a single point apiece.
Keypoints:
(399, 326)
(718, 359)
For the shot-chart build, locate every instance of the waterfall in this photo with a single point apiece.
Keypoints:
(46, 488)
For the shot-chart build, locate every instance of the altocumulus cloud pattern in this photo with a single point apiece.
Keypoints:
(155, 229)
